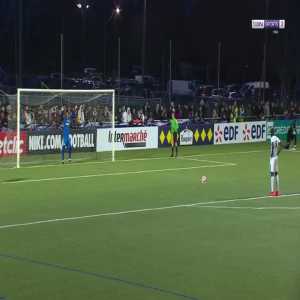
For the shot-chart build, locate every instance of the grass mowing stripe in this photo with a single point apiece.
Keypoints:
(116, 174)
(126, 212)
(98, 275)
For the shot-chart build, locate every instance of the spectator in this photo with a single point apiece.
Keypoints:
(267, 110)
(124, 115)
(242, 113)
(157, 114)
(215, 114)
(141, 116)
(223, 115)
(28, 117)
(163, 113)
(3, 119)
(178, 112)
(107, 114)
(80, 116)
(73, 116)
(129, 115)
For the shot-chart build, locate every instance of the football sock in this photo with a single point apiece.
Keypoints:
(63, 153)
(272, 183)
(277, 183)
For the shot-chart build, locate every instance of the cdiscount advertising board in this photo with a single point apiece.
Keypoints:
(127, 138)
(235, 133)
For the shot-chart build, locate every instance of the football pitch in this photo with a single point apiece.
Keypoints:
(145, 228)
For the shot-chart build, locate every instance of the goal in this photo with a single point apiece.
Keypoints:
(40, 120)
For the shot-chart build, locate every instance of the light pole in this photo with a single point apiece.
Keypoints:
(219, 65)
(144, 39)
(20, 45)
(264, 67)
(119, 68)
(170, 71)
(116, 12)
(61, 61)
(83, 6)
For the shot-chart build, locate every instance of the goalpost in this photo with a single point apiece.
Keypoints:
(39, 123)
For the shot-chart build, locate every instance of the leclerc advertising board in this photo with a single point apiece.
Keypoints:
(190, 134)
(82, 140)
(235, 133)
(127, 138)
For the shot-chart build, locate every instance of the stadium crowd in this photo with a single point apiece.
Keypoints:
(199, 111)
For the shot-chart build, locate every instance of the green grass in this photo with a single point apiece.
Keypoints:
(220, 250)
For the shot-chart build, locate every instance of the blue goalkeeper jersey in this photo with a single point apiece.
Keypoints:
(66, 131)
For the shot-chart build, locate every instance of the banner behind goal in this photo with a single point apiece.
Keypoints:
(44, 116)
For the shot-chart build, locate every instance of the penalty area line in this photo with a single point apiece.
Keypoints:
(207, 161)
(76, 164)
(144, 210)
(117, 174)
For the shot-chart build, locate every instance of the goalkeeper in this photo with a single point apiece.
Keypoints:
(66, 138)
(175, 133)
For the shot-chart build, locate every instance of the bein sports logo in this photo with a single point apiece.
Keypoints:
(258, 24)
(219, 135)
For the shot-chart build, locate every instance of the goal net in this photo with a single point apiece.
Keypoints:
(60, 126)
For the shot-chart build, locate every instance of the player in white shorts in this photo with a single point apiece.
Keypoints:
(274, 168)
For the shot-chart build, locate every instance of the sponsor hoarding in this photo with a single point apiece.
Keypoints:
(127, 138)
(8, 143)
(51, 141)
(282, 126)
(192, 134)
(186, 137)
(235, 133)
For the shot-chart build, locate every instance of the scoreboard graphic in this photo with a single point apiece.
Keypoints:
(268, 24)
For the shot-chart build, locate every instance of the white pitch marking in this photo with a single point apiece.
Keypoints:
(205, 160)
(252, 208)
(116, 174)
(139, 159)
(200, 204)
(227, 153)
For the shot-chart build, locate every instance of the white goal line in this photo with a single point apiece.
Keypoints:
(138, 211)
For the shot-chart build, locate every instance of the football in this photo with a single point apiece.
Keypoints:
(203, 179)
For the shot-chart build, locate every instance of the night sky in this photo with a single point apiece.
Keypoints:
(195, 26)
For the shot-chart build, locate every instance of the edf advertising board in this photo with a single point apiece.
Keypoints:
(236, 133)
